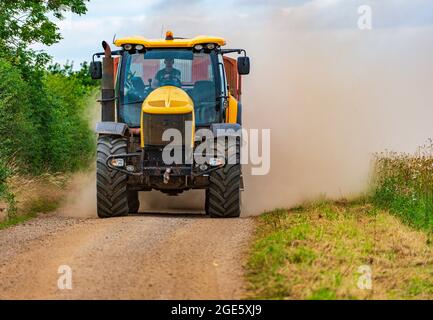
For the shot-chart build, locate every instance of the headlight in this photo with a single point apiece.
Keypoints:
(117, 162)
(139, 47)
(128, 47)
(130, 168)
(198, 47)
(214, 162)
(210, 46)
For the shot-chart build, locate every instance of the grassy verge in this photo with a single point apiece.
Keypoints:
(14, 220)
(322, 250)
(33, 196)
(319, 251)
(36, 206)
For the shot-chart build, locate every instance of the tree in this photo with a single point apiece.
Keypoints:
(32, 103)
(25, 22)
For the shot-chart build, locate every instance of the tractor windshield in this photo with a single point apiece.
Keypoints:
(193, 72)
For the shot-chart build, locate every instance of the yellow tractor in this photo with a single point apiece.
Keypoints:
(171, 121)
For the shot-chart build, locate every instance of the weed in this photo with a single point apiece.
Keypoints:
(403, 183)
(302, 255)
(323, 294)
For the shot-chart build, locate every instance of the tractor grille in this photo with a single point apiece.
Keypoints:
(154, 126)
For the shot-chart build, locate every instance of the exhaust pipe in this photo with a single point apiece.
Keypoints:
(107, 85)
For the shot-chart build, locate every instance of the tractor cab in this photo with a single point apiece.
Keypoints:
(199, 66)
(195, 72)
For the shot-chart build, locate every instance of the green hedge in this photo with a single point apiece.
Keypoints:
(18, 135)
(4, 174)
(70, 141)
(44, 124)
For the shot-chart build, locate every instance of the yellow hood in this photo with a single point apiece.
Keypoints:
(168, 100)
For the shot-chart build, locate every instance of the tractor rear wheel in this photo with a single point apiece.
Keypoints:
(223, 196)
(111, 185)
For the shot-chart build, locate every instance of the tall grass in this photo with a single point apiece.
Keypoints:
(403, 184)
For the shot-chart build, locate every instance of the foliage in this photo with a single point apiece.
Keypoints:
(82, 75)
(70, 142)
(43, 108)
(25, 22)
(43, 125)
(404, 185)
(4, 174)
(5, 195)
(18, 134)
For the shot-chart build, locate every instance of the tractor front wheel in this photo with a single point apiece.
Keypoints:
(111, 185)
(223, 196)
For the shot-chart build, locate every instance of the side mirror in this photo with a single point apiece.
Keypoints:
(243, 65)
(96, 70)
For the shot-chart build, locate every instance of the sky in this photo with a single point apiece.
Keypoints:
(82, 35)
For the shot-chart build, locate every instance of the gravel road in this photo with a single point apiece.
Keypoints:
(146, 256)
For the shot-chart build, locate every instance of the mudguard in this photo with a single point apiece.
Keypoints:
(112, 128)
(226, 129)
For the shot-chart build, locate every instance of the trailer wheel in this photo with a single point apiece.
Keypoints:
(223, 196)
(111, 185)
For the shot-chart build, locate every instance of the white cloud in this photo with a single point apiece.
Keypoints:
(83, 34)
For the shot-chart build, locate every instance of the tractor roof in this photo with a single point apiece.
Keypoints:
(169, 41)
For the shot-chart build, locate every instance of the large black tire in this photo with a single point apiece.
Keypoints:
(111, 185)
(223, 196)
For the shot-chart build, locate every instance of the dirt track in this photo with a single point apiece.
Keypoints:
(147, 256)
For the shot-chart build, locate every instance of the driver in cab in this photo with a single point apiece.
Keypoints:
(168, 75)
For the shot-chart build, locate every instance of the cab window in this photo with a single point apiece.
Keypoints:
(190, 71)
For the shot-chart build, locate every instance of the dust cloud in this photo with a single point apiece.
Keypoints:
(80, 199)
(331, 97)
